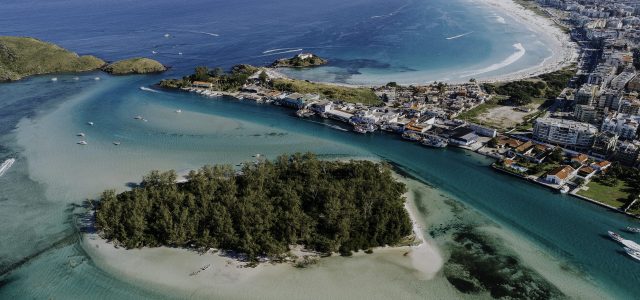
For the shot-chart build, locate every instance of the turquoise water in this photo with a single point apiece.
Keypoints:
(40, 256)
(53, 173)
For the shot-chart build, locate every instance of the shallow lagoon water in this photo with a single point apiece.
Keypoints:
(560, 237)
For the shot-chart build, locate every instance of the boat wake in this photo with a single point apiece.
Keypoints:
(330, 125)
(459, 36)
(281, 52)
(149, 89)
(395, 12)
(520, 52)
(4, 167)
(279, 49)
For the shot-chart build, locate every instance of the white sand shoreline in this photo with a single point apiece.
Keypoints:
(169, 269)
(564, 52)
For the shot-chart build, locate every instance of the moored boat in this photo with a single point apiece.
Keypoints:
(633, 253)
(616, 237)
(633, 229)
(435, 141)
(82, 143)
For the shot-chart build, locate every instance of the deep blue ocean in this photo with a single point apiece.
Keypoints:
(373, 40)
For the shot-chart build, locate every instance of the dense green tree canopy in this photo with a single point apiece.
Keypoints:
(326, 206)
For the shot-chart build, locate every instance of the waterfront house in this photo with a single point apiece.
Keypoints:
(483, 130)
(586, 172)
(560, 175)
(202, 84)
(601, 165)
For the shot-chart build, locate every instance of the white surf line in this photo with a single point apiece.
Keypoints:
(520, 51)
(459, 36)
(283, 52)
(4, 167)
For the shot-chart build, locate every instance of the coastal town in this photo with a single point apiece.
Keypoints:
(565, 130)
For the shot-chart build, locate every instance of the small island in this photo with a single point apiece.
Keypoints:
(23, 56)
(138, 65)
(263, 209)
(302, 60)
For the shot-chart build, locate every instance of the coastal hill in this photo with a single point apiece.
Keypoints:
(23, 56)
(138, 65)
(302, 60)
(263, 209)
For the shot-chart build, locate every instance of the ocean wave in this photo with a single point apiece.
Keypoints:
(459, 36)
(520, 51)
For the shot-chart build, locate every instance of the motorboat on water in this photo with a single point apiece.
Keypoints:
(616, 237)
(96, 78)
(4, 167)
(54, 79)
(179, 111)
(80, 134)
(633, 229)
(435, 141)
(116, 143)
(82, 143)
(90, 123)
(138, 117)
(630, 244)
(633, 253)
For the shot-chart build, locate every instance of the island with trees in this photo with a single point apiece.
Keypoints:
(262, 209)
(137, 65)
(302, 60)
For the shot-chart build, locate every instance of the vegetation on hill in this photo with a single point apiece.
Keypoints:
(23, 56)
(327, 206)
(523, 92)
(348, 94)
(298, 62)
(138, 65)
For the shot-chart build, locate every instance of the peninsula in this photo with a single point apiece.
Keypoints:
(262, 209)
(302, 60)
(21, 57)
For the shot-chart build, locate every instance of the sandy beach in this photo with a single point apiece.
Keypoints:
(564, 50)
(180, 271)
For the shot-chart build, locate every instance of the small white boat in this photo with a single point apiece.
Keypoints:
(76, 78)
(616, 237)
(179, 53)
(138, 117)
(633, 229)
(82, 143)
(54, 79)
(179, 111)
(633, 253)
(96, 78)
(167, 35)
(154, 52)
(81, 134)
(116, 143)
(4, 167)
(90, 123)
